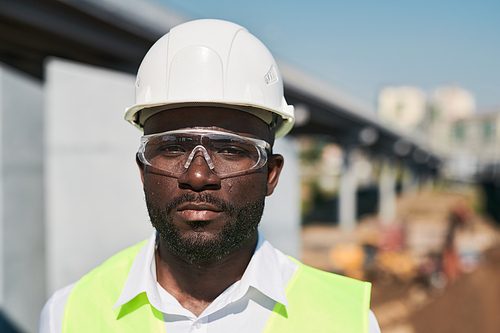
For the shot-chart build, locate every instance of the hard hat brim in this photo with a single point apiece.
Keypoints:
(138, 114)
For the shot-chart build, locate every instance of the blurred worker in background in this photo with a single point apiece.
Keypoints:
(209, 98)
(450, 257)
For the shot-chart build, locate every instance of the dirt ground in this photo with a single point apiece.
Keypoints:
(403, 303)
(470, 305)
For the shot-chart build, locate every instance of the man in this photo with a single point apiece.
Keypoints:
(210, 101)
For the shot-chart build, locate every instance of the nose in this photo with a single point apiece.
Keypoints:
(199, 176)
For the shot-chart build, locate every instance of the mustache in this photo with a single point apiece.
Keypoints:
(200, 198)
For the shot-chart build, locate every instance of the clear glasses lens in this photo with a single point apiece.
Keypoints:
(225, 153)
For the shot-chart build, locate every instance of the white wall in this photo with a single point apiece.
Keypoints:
(22, 253)
(94, 200)
(281, 223)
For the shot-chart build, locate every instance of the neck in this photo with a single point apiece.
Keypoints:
(196, 285)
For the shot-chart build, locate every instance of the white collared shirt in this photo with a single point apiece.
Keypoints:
(243, 307)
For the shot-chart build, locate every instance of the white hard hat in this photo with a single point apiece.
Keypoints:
(211, 63)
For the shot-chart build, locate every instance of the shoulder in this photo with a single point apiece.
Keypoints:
(110, 276)
(319, 299)
(121, 260)
(349, 292)
(315, 277)
(53, 310)
(328, 293)
(52, 313)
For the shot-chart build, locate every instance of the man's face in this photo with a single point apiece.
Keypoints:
(200, 216)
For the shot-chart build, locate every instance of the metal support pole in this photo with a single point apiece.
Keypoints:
(409, 182)
(347, 193)
(387, 192)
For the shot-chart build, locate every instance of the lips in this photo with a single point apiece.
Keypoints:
(198, 211)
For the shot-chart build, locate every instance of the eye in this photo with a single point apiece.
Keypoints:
(232, 151)
(171, 149)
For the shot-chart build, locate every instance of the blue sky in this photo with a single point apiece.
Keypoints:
(362, 46)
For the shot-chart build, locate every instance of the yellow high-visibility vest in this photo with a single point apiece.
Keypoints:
(318, 302)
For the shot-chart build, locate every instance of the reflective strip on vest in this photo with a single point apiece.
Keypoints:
(318, 302)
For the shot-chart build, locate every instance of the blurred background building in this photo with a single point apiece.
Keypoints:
(448, 121)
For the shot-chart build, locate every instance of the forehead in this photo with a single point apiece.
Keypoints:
(235, 121)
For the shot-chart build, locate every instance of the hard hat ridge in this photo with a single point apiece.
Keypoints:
(210, 63)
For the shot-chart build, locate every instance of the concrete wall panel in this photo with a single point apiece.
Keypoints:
(94, 197)
(22, 251)
(281, 222)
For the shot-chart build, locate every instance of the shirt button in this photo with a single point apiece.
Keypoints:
(198, 325)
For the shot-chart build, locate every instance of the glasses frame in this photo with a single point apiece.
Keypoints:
(263, 147)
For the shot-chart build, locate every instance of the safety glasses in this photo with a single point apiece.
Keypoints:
(226, 154)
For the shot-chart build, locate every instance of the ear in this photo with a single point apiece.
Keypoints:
(274, 167)
(141, 168)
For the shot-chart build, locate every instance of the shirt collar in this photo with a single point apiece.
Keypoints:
(142, 276)
(265, 272)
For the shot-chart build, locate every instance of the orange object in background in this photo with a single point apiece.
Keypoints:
(450, 259)
(348, 258)
(451, 265)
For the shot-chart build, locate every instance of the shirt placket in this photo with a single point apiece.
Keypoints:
(200, 325)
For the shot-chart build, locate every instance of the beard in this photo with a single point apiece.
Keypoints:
(241, 223)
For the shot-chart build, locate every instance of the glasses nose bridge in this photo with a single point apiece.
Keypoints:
(205, 154)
